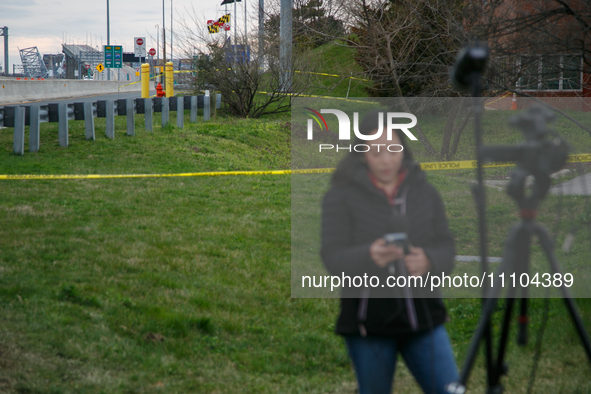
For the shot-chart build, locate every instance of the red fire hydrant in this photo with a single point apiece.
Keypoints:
(159, 91)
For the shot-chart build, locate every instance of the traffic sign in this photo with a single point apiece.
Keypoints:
(100, 67)
(87, 66)
(139, 48)
(113, 56)
(152, 51)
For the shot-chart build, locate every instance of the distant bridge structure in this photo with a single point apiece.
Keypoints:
(33, 65)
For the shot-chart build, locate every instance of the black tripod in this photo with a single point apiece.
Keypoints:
(538, 156)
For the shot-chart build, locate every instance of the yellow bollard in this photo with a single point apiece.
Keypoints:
(145, 80)
(169, 80)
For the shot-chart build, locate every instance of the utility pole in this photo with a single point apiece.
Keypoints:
(226, 31)
(171, 30)
(261, 27)
(4, 32)
(285, 42)
(235, 42)
(163, 46)
(163, 34)
(108, 39)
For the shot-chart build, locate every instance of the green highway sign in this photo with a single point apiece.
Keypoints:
(113, 56)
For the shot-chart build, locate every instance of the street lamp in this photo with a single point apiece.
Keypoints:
(163, 34)
(108, 38)
(157, 43)
(171, 13)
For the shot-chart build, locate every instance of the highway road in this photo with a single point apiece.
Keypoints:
(92, 98)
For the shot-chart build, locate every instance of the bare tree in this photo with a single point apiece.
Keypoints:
(537, 44)
(407, 49)
(248, 77)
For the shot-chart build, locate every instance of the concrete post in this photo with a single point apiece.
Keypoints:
(130, 117)
(19, 131)
(34, 129)
(180, 112)
(206, 106)
(285, 45)
(110, 120)
(165, 111)
(63, 124)
(88, 121)
(145, 80)
(149, 110)
(193, 109)
(218, 100)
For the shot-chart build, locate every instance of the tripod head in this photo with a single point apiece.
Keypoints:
(542, 153)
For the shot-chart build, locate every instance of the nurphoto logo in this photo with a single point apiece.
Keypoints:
(345, 129)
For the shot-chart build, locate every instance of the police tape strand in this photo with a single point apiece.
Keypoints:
(298, 72)
(433, 166)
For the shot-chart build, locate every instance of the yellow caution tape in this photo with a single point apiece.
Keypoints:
(331, 75)
(461, 165)
(499, 99)
(187, 174)
(433, 166)
(299, 72)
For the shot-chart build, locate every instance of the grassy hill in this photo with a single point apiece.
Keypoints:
(182, 285)
(338, 59)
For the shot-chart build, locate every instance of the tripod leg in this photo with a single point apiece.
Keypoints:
(490, 304)
(570, 304)
(520, 243)
(500, 366)
(523, 321)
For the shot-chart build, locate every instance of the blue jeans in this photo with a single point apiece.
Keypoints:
(428, 356)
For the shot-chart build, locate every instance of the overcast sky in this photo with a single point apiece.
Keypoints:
(44, 23)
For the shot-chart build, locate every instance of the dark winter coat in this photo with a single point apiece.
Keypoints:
(353, 217)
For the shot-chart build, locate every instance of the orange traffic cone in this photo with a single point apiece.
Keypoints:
(514, 102)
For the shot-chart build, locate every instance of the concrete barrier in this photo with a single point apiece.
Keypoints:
(13, 91)
(18, 116)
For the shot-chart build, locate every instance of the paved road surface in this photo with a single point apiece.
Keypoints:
(94, 97)
(579, 186)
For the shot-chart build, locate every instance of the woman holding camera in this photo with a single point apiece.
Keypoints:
(374, 193)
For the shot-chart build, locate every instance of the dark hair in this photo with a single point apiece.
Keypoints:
(350, 165)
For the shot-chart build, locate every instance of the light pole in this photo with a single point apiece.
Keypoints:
(163, 44)
(157, 44)
(108, 38)
(171, 13)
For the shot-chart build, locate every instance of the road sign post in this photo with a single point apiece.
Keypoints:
(139, 47)
(113, 56)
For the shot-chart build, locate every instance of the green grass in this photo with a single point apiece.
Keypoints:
(336, 59)
(182, 285)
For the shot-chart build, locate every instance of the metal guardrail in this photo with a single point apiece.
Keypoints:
(18, 117)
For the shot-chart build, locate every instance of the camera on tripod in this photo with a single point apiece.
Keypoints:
(543, 153)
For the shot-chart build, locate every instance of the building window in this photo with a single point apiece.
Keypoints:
(549, 73)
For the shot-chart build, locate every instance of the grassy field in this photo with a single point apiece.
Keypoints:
(182, 285)
(336, 56)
